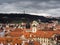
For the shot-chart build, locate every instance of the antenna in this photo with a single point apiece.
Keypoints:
(24, 12)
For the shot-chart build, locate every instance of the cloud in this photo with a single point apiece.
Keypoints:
(54, 12)
(39, 7)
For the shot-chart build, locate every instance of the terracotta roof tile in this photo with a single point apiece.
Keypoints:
(45, 34)
(15, 34)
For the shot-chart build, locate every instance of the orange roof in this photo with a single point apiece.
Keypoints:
(8, 28)
(57, 32)
(14, 40)
(36, 43)
(29, 34)
(58, 26)
(26, 34)
(15, 34)
(44, 34)
(26, 43)
(18, 30)
(17, 40)
(2, 39)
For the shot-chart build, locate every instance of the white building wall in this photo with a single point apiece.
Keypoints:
(34, 29)
(43, 40)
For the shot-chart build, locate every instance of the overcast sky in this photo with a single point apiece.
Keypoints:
(40, 7)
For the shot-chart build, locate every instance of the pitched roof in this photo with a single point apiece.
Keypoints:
(44, 34)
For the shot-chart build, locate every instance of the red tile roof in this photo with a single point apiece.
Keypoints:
(15, 34)
(44, 34)
(36, 43)
(57, 32)
(18, 30)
